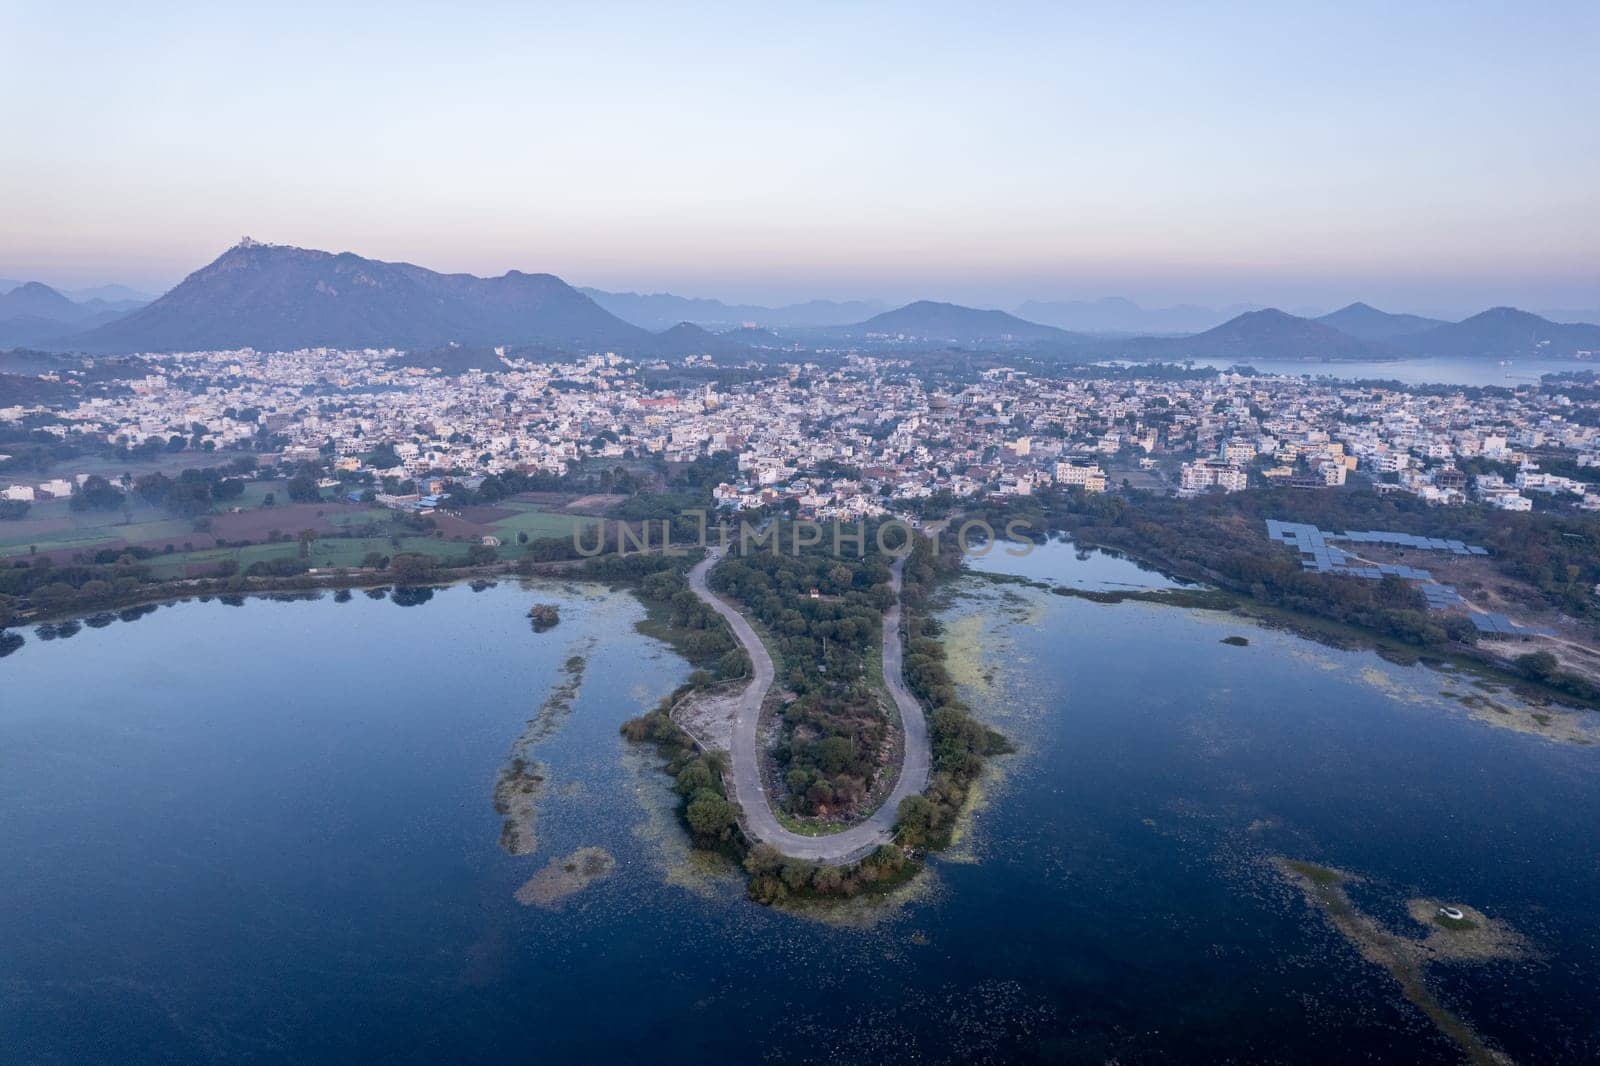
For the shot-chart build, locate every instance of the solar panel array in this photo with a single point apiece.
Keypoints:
(1319, 556)
(1498, 625)
(1441, 597)
(1410, 540)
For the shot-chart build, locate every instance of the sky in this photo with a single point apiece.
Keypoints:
(1418, 156)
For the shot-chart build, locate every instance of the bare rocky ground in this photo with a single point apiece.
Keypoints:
(709, 716)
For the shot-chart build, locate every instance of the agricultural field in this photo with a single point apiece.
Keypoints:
(324, 553)
(537, 521)
(53, 525)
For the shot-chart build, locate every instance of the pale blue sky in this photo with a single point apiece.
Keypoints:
(1431, 156)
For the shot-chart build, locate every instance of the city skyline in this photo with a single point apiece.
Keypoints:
(1444, 163)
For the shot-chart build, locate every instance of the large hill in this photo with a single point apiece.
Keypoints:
(686, 338)
(278, 297)
(1504, 332)
(1117, 315)
(927, 320)
(1370, 324)
(1264, 334)
(662, 310)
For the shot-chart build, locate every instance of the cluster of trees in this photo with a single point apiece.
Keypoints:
(39, 583)
(697, 631)
(825, 642)
(194, 492)
(697, 778)
(96, 494)
(1545, 669)
(830, 749)
(960, 742)
(774, 878)
(834, 733)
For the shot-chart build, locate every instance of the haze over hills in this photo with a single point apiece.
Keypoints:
(281, 297)
(34, 313)
(661, 310)
(952, 323)
(275, 296)
(1503, 332)
(1117, 315)
(41, 301)
(1367, 323)
(1265, 334)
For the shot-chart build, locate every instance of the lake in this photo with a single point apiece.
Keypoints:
(1059, 561)
(1416, 371)
(265, 832)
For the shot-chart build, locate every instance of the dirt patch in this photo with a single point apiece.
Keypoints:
(708, 716)
(258, 522)
(595, 503)
(564, 877)
(486, 515)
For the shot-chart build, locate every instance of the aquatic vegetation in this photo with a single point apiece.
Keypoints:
(1472, 937)
(520, 786)
(566, 876)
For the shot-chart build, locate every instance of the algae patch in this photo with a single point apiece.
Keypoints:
(564, 877)
(1475, 937)
(520, 787)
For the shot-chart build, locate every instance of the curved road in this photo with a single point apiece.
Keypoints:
(758, 820)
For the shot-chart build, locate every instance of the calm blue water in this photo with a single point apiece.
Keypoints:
(1419, 371)
(264, 833)
(1061, 562)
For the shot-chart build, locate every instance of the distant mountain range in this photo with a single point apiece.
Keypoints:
(280, 297)
(33, 313)
(657, 311)
(1117, 315)
(1265, 334)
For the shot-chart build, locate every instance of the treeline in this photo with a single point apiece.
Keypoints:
(704, 806)
(712, 820)
(194, 492)
(960, 742)
(697, 631)
(1221, 540)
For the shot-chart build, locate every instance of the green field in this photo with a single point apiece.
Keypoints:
(53, 524)
(326, 553)
(536, 522)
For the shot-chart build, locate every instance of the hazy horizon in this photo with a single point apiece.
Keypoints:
(1440, 162)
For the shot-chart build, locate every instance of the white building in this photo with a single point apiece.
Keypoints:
(1203, 474)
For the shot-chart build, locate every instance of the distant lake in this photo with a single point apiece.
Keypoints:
(264, 833)
(1417, 371)
(1060, 561)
